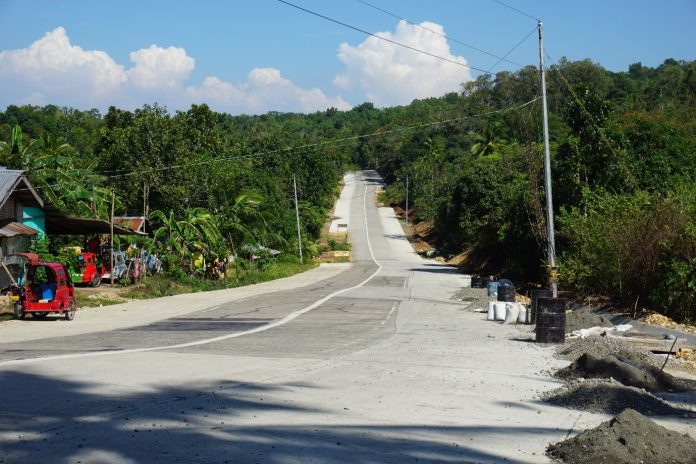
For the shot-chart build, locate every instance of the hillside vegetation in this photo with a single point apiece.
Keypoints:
(623, 155)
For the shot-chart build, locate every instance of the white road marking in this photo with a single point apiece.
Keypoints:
(290, 317)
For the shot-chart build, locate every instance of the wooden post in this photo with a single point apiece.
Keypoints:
(113, 199)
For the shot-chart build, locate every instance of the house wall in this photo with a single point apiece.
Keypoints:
(34, 218)
(9, 210)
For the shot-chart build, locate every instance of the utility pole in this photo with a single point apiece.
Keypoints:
(407, 198)
(297, 216)
(551, 242)
(113, 200)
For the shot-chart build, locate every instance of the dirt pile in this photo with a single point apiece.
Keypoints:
(625, 371)
(627, 438)
(609, 397)
(584, 319)
(478, 297)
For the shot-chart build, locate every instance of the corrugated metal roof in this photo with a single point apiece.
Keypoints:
(13, 229)
(10, 179)
(134, 223)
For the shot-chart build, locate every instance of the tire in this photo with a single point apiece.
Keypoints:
(41, 316)
(69, 314)
(19, 311)
(96, 280)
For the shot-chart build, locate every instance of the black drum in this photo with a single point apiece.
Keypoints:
(534, 295)
(550, 320)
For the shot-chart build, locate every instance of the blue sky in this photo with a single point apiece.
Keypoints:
(252, 57)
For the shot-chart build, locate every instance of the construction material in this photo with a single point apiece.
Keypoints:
(523, 313)
(628, 438)
(500, 311)
(584, 319)
(608, 397)
(511, 313)
(506, 291)
(491, 311)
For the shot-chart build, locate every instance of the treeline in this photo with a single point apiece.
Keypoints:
(623, 154)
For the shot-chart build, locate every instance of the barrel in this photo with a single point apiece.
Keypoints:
(550, 323)
(475, 282)
(534, 295)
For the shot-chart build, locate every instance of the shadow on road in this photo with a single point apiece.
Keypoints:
(44, 419)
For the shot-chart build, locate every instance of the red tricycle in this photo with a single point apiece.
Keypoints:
(45, 288)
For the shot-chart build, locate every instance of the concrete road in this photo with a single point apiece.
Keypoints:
(368, 362)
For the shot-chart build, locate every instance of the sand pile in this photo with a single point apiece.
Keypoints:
(627, 438)
(609, 397)
(478, 297)
(584, 319)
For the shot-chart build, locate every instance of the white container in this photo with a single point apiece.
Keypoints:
(499, 310)
(522, 315)
(491, 311)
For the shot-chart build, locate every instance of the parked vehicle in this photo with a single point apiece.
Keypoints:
(46, 288)
(120, 266)
(88, 269)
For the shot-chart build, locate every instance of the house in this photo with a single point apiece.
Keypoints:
(21, 212)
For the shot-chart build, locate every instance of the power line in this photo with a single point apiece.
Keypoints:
(119, 172)
(516, 9)
(382, 38)
(513, 48)
(447, 37)
(332, 141)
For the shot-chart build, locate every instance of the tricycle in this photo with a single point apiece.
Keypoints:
(88, 269)
(46, 288)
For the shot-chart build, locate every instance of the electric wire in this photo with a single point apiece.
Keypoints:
(394, 42)
(444, 36)
(516, 9)
(513, 49)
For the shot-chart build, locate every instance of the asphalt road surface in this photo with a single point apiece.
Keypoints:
(368, 362)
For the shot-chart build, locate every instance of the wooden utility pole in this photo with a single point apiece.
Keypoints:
(297, 216)
(113, 200)
(551, 242)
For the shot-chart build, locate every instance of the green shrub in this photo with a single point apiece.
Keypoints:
(633, 247)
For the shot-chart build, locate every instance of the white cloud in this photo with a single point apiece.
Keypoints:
(392, 75)
(52, 66)
(264, 90)
(52, 70)
(160, 67)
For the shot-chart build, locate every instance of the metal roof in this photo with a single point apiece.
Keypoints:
(59, 224)
(134, 223)
(10, 179)
(13, 229)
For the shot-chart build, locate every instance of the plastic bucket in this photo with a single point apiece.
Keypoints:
(493, 289)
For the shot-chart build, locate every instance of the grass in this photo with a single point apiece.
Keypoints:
(160, 285)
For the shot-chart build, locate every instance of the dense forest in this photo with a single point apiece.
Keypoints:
(623, 160)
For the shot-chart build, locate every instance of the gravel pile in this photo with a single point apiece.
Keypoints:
(602, 346)
(608, 397)
(627, 438)
(478, 297)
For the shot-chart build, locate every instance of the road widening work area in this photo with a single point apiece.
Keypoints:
(371, 361)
